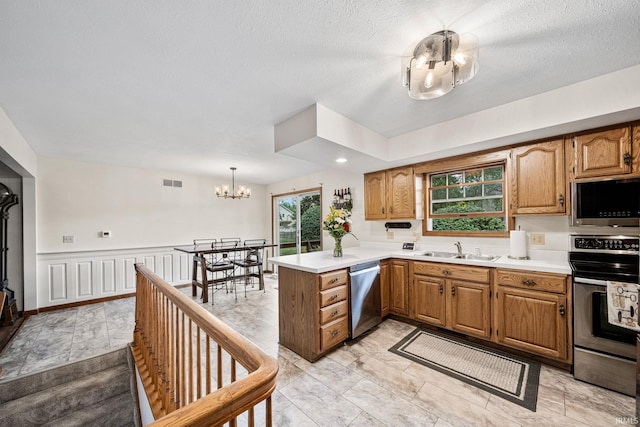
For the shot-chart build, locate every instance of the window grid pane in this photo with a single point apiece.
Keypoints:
(464, 200)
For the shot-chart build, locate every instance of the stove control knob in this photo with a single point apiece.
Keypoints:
(597, 243)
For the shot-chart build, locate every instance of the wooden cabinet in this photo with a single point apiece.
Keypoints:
(390, 194)
(375, 195)
(532, 313)
(399, 287)
(313, 311)
(452, 296)
(384, 287)
(603, 153)
(538, 183)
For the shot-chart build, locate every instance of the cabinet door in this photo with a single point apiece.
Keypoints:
(429, 300)
(399, 295)
(375, 193)
(538, 179)
(532, 321)
(470, 311)
(384, 287)
(603, 153)
(401, 200)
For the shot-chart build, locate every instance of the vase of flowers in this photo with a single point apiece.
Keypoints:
(338, 224)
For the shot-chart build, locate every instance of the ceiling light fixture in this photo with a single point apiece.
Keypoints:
(439, 63)
(243, 192)
(341, 160)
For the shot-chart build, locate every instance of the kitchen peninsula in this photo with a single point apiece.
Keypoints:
(521, 304)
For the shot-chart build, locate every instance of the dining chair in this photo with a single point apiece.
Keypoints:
(221, 264)
(251, 263)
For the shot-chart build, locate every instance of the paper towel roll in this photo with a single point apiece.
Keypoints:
(518, 244)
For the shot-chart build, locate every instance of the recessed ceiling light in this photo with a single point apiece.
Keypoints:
(341, 160)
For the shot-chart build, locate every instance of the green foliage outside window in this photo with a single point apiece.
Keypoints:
(461, 195)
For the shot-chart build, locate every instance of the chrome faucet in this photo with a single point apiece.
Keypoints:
(459, 246)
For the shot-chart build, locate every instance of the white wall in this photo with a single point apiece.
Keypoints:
(82, 199)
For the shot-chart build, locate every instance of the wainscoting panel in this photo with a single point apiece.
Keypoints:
(129, 274)
(71, 277)
(57, 282)
(108, 279)
(83, 279)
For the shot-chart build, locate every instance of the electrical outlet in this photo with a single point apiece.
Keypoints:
(390, 235)
(537, 239)
(67, 239)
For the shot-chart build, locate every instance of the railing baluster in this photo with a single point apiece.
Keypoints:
(198, 366)
(172, 383)
(208, 350)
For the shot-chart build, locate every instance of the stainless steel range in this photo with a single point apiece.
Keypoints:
(603, 354)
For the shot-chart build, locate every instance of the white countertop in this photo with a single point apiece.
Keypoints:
(320, 262)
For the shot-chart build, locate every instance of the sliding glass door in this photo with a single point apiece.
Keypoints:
(297, 222)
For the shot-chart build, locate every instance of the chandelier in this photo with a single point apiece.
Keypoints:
(439, 63)
(243, 192)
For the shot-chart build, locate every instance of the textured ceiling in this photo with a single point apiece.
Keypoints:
(197, 86)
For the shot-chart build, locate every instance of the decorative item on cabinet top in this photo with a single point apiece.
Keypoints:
(342, 199)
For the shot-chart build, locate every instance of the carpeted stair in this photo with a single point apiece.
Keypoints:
(99, 391)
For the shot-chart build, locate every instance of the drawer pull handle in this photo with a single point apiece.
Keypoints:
(562, 311)
(333, 297)
(335, 332)
(335, 313)
(453, 290)
(529, 282)
(446, 272)
(334, 280)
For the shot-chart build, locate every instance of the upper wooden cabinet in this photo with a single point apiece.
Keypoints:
(538, 184)
(603, 153)
(390, 194)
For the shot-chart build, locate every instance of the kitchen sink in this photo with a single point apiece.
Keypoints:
(454, 255)
(439, 254)
(478, 257)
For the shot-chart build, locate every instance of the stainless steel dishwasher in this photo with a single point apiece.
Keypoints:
(364, 298)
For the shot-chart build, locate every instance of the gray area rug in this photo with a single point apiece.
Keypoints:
(507, 376)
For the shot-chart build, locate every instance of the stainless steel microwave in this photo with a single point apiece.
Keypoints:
(606, 202)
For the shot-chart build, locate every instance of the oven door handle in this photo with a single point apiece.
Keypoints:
(590, 281)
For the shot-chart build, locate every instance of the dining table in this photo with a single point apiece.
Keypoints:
(201, 251)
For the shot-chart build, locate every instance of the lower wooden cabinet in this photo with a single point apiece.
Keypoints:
(399, 287)
(313, 311)
(384, 287)
(446, 295)
(532, 313)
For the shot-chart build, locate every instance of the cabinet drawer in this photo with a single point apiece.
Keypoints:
(452, 271)
(333, 311)
(333, 333)
(333, 295)
(333, 279)
(534, 281)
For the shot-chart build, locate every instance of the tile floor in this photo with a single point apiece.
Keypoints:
(361, 384)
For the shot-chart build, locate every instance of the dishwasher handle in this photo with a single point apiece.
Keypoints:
(365, 271)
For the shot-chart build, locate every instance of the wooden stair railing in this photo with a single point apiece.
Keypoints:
(188, 361)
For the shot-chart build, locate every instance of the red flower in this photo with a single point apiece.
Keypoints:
(346, 226)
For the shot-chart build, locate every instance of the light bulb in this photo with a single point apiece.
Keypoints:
(420, 61)
(428, 81)
(460, 59)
